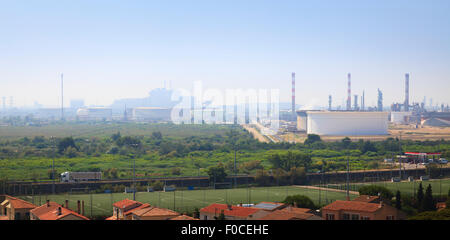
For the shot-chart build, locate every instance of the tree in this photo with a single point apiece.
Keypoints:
(428, 201)
(290, 159)
(217, 173)
(157, 135)
(71, 152)
(312, 138)
(420, 196)
(116, 136)
(300, 201)
(375, 190)
(66, 143)
(398, 200)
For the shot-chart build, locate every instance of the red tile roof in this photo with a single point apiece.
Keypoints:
(145, 205)
(237, 211)
(283, 215)
(183, 217)
(154, 211)
(50, 212)
(111, 218)
(353, 206)
(366, 198)
(296, 210)
(18, 203)
(125, 203)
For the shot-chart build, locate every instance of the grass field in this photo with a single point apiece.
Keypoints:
(188, 200)
(439, 187)
(87, 130)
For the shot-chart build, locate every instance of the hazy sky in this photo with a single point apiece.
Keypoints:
(122, 49)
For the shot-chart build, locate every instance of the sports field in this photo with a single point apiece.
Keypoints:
(188, 200)
(438, 186)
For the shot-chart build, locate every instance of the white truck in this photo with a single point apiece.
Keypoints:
(80, 176)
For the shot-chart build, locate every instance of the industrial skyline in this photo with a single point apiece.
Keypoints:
(124, 50)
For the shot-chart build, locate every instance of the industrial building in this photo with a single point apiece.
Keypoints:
(342, 123)
(151, 114)
(94, 114)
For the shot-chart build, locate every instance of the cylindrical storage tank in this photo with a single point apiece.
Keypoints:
(347, 123)
(301, 121)
(400, 117)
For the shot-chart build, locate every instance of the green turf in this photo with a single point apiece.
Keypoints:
(187, 201)
(439, 187)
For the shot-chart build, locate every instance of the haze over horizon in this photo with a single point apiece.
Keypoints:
(109, 50)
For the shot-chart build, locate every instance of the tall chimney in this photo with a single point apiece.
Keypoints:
(406, 104)
(293, 95)
(349, 93)
(59, 211)
(78, 206)
(82, 207)
(67, 204)
(48, 203)
(329, 102)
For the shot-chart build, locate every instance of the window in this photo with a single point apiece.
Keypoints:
(345, 216)
(205, 217)
(355, 217)
(365, 218)
(390, 217)
(330, 216)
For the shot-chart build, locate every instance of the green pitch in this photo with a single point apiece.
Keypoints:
(188, 200)
(438, 186)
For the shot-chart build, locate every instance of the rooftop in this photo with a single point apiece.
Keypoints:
(154, 212)
(352, 206)
(230, 210)
(18, 203)
(125, 203)
(50, 212)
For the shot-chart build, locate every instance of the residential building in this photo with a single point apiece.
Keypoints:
(54, 211)
(360, 210)
(153, 213)
(231, 212)
(122, 209)
(12, 208)
(292, 213)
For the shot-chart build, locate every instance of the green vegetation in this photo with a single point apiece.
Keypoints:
(300, 201)
(26, 152)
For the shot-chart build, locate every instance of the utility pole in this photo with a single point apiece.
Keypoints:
(348, 177)
(53, 164)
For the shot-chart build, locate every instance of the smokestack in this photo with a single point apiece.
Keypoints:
(406, 104)
(293, 94)
(355, 104)
(59, 211)
(78, 206)
(82, 207)
(329, 102)
(48, 203)
(349, 93)
(362, 102)
(67, 204)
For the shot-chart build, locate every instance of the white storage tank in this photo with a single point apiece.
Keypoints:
(400, 117)
(347, 123)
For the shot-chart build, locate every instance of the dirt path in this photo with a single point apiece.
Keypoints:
(327, 189)
(256, 134)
